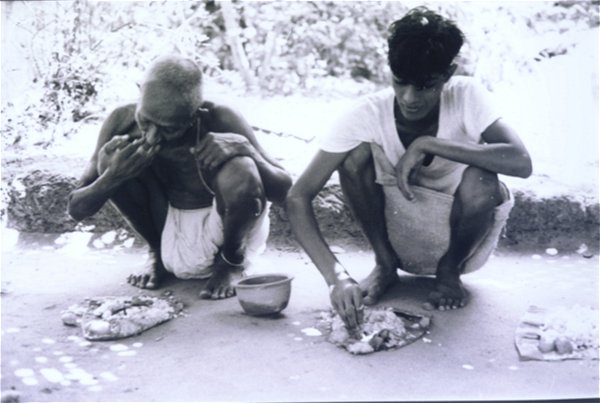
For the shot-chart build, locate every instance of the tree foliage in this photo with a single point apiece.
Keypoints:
(79, 50)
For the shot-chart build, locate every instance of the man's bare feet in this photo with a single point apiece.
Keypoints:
(449, 294)
(151, 276)
(376, 283)
(219, 285)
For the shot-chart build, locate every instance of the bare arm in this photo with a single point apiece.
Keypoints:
(233, 136)
(345, 294)
(503, 152)
(115, 160)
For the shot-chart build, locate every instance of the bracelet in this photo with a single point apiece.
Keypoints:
(229, 263)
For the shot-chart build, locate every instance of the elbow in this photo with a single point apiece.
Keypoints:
(525, 168)
(293, 201)
(283, 187)
(75, 211)
(75, 214)
(520, 166)
(290, 203)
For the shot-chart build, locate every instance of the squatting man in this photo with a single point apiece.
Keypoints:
(188, 175)
(418, 165)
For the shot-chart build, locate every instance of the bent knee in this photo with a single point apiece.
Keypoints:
(238, 185)
(357, 160)
(480, 188)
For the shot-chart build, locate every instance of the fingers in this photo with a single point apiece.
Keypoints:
(116, 143)
(406, 176)
(359, 306)
(402, 179)
(214, 149)
(350, 307)
(129, 148)
(147, 151)
(407, 170)
(404, 187)
(209, 154)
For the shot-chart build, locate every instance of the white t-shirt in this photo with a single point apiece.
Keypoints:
(466, 111)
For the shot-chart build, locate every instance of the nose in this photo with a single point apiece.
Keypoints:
(410, 94)
(152, 135)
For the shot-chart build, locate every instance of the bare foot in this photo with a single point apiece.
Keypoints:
(377, 283)
(219, 285)
(448, 294)
(151, 276)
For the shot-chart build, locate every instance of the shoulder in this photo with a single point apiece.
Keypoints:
(377, 99)
(222, 118)
(120, 120)
(369, 106)
(463, 85)
(219, 111)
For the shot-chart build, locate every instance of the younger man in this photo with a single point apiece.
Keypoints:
(418, 165)
(188, 175)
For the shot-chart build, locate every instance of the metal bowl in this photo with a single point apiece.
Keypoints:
(264, 294)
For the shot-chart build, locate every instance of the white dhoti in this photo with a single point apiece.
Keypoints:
(192, 238)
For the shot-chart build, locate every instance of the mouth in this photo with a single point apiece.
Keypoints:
(411, 108)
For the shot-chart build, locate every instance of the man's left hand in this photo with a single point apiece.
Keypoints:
(408, 167)
(217, 148)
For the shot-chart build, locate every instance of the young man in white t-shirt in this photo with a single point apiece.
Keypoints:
(418, 165)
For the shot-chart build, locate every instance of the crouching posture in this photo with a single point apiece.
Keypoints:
(188, 175)
(418, 164)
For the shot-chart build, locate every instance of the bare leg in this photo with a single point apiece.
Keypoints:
(144, 205)
(240, 200)
(366, 200)
(471, 217)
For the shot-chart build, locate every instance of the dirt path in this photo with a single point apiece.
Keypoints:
(217, 353)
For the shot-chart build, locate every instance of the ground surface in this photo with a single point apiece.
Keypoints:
(217, 353)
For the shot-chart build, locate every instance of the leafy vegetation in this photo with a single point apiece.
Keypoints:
(79, 50)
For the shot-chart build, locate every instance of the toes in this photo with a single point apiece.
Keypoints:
(439, 301)
(205, 294)
(151, 283)
(145, 281)
(372, 295)
(134, 280)
(217, 293)
(142, 281)
(223, 292)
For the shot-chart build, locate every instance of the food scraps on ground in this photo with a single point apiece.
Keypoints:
(558, 334)
(109, 318)
(382, 329)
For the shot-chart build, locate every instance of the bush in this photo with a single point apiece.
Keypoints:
(79, 48)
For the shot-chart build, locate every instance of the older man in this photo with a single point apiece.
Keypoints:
(188, 175)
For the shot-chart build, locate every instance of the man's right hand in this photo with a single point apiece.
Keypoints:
(346, 299)
(126, 159)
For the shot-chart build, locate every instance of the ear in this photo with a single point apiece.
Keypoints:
(451, 70)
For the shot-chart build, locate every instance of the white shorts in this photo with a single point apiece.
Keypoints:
(192, 238)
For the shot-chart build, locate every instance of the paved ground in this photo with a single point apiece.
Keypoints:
(217, 353)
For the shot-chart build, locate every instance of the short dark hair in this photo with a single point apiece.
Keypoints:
(422, 44)
(178, 73)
